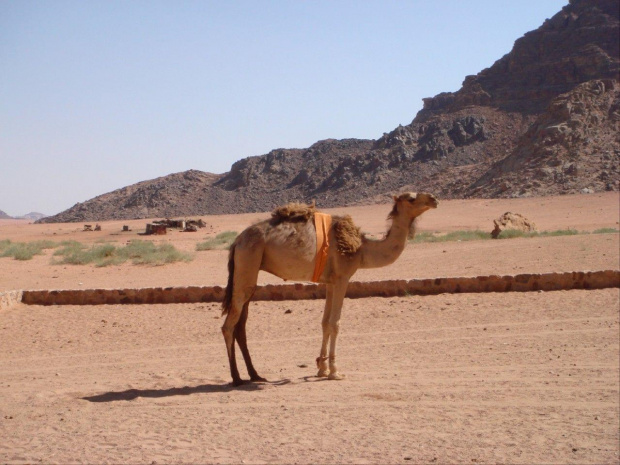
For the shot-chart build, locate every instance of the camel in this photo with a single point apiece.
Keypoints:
(286, 246)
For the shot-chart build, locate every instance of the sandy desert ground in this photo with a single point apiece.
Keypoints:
(464, 378)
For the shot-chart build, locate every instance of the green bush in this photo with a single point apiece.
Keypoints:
(221, 241)
(139, 252)
(453, 236)
(147, 253)
(560, 232)
(476, 235)
(24, 250)
(100, 254)
(512, 233)
(605, 231)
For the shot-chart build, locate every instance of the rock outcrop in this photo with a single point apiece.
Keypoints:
(543, 119)
(512, 221)
(572, 147)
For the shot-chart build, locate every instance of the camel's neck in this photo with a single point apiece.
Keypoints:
(376, 254)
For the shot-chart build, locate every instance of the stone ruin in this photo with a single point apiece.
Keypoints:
(161, 226)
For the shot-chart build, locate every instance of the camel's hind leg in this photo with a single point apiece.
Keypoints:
(241, 339)
(245, 275)
(228, 330)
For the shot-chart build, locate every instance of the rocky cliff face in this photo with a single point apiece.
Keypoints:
(542, 120)
(578, 44)
(481, 137)
(573, 146)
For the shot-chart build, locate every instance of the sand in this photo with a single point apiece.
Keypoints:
(470, 378)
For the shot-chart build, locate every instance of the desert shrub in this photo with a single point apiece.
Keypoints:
(605, 231)
(24, 250)
(512, 233)
(74, 253)
(560, 232)
(139, 252)
(424, 237)
(476, 235)
(147, 253)
(453, 236)
(221, 241)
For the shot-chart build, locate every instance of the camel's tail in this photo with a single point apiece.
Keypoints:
(228, 293)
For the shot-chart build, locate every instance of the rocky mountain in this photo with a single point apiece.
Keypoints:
(543, 119)
(4, 216)
(570, 147)
(173, 195)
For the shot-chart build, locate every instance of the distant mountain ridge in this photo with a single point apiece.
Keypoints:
(28, 216)
(32, 216)
(542, 120)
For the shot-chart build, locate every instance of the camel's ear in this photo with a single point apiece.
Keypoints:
(395, 198)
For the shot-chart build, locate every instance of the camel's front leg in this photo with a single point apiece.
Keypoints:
(339, 290)
(321, 362)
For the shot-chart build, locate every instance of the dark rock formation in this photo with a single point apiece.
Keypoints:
(572, 147)
(543, 119)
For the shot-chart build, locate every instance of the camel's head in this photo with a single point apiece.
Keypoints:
(413, 204)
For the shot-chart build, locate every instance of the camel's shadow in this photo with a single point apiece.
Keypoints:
(131, 394)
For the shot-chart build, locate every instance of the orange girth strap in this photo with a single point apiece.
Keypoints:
(322, 223)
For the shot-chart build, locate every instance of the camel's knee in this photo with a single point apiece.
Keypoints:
(334, 328)
(227, 332)
(230, 323)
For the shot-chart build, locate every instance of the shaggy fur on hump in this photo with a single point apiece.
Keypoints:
(348, 236)
(293, 212)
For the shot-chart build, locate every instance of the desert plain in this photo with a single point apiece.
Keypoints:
(453, 378)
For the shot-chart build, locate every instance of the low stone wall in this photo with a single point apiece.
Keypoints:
(356, 289)
(9, 298)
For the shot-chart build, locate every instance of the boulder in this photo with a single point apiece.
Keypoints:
(514, 221)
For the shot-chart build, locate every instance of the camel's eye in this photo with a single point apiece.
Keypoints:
(412, 199)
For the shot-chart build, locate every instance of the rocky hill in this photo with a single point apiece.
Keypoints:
(543, 119)
(173, 195)
(4, 216)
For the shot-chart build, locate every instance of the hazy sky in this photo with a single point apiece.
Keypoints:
(98, 95)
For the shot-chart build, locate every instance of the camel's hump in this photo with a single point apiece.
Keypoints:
(294, 212)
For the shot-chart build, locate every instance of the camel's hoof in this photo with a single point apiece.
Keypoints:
(239, 382)
(336, 376)
(322, 374)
